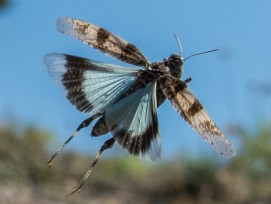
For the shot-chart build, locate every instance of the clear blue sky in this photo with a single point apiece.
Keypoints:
(224, 81)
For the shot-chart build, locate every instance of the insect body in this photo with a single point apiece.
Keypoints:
(125, 100)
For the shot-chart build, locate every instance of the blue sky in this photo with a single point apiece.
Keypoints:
(225, 82)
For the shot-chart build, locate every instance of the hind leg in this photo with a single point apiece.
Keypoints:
(83, 124)
(107, 145)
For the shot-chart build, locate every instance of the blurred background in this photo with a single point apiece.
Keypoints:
(233, 84)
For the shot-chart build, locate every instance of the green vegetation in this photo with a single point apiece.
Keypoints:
(25, 177)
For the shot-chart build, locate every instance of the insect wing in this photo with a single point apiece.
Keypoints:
(188, 106)
(102, 40)
(133, 122)
(89, 85)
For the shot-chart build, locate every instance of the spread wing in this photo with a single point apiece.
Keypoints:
(188, 106)
(102, 40)
(133, 122)
(89, 85)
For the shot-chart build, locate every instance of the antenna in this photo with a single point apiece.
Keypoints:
(179, 44)
(201, 53)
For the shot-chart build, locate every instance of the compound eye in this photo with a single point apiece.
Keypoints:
(173, 60)
(173, 57)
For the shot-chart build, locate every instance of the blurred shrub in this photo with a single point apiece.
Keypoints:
(23, 154)
(248, 178)
(245, 178)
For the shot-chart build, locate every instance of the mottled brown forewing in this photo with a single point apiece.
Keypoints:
(188, 106)
(102, 40)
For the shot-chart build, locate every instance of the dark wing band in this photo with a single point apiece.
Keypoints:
(102, 40)
(188, 106)
(133, 122)
(89, 85)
